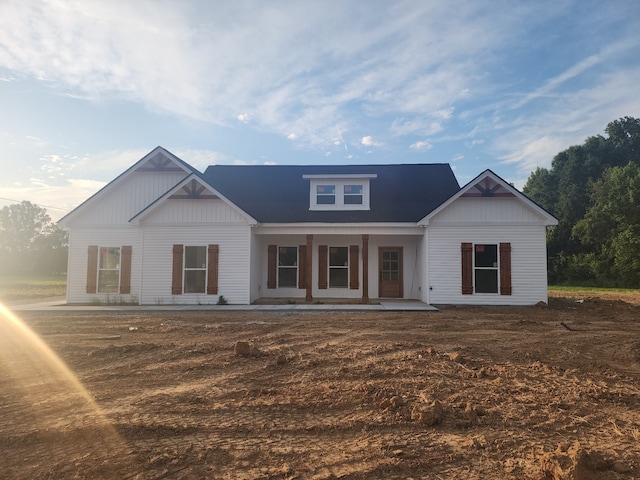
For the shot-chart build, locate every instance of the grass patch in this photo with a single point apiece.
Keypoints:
(33, 288)
(623, 294)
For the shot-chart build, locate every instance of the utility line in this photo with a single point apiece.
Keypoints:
(46, 206)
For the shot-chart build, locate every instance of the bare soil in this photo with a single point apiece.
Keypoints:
(467, 392)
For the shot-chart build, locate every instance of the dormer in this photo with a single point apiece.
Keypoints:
(339, 192)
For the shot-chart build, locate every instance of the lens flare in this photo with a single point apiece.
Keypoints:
(47, 417)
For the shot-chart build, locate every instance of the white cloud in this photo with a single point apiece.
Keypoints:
(368, 141)
(421, 145)
(292, 136)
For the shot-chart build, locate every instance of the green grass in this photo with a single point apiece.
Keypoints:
(14, 289)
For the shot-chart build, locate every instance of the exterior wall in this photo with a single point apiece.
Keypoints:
(79, 241)
(479, 211)
(126, 198)
(184, 211)
(233, 268)
(528, 263)
(412, 272)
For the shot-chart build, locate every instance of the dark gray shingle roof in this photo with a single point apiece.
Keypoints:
(280, 194)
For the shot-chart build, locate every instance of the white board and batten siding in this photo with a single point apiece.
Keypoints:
(119, 202)
(487, 221)
(196, 223)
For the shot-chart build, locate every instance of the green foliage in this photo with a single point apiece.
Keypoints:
(29, 242)
(593, 190)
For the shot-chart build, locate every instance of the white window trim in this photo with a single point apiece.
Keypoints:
(496, 268)
(186, 269)
(346, 267)
(292, 267)
(108, 269)
(339, 182)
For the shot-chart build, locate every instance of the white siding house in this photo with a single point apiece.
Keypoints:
(162, 233)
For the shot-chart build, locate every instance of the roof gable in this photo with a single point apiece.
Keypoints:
(191, 188)
(490, 185)
(158, 160)
(281, 193)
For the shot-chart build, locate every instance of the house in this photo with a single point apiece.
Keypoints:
(165, 233)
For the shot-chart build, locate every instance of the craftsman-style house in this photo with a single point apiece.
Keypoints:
(164, 233)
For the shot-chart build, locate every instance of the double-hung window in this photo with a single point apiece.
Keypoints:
(195, 269)
(109, 270)
(288, 267)
(353, 194)
(338, 267)
(486, 268)
(326, 194)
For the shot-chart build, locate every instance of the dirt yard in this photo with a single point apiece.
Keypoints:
(466, 393)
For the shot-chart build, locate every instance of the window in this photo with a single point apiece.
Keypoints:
(353, 194)
(195, 269)
(486, 268)
(339, 267)
(326, 194)
(109, 270)
(287, 267)
(340, 191)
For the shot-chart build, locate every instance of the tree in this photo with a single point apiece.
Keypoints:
(565, 191)
(611, 227)
(29, 241)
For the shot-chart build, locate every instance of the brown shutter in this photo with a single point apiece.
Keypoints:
(125, 270)
(176, 278)
(323, 266)
(302, 266)
(353, 267)
(505, 269)
(212, 269)
(92, 268)
(272, 266)
(467, 268)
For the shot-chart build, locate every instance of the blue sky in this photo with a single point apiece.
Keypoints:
(89, 87)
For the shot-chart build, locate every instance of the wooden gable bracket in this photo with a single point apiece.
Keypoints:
(193, 191)
(159, 163)
(488, 191)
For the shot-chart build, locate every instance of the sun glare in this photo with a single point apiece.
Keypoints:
(47, 409)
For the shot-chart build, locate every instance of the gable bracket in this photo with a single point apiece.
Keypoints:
(193, 191)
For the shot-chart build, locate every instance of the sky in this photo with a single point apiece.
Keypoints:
(88, 87)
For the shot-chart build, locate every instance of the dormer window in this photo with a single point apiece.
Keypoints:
(326, 194)
(353, 194)
(339, 192)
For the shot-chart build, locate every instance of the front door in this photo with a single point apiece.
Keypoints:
(390, 275)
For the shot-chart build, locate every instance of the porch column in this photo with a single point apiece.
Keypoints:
(308, 268)
(365, 268)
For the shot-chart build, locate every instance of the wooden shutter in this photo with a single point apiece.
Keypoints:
(272, 266)
(92, 268)
(176, 278)
(467, 268)
(323, 266)
(302, 266)
(125, 270)
(353, 267)
(212, 269)
(505, 269)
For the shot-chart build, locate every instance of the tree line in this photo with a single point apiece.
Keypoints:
(30, 243)
(593, 190)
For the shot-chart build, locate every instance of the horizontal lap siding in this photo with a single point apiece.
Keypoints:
(528, 263)
(233, 261)
(79, 241)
